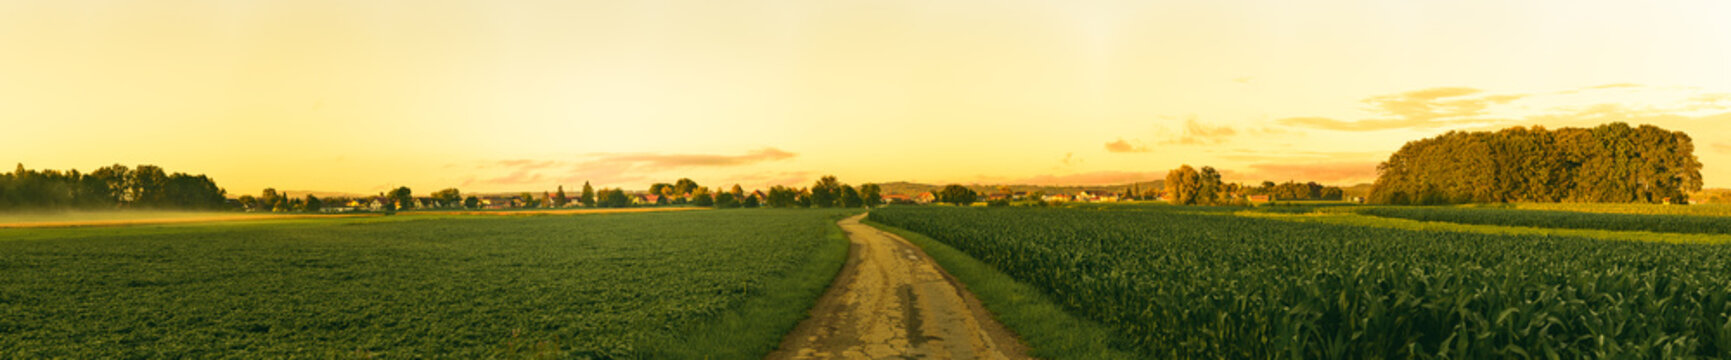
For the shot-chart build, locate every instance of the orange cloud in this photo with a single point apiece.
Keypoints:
(1426, 108)
(1122, 146)
(615, 168)
(1722, 148)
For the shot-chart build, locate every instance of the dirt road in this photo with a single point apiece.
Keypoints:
(892, 301)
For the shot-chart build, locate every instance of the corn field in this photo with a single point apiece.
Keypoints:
(1685, 224)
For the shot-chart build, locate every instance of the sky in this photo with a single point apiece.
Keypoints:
(363, 96)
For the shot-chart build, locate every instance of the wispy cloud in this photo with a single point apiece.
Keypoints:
(1198, 133)
(1426, 108)
(1722, 148)
(1070, 159)
(768, 179)
(1592, 115)
(1122, 146)
(1340, 173)
(675, 161)
(1614, 86)
(1299, 155)
(1077, 179)
(1600, 88)
(613, 167)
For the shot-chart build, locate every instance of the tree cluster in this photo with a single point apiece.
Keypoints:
(827, 192)
(958, 195)
(272, 201)
(1609, 163)
(1188, 186)
(116, 186)
(1292, 190)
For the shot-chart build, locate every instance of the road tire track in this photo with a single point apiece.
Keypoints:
(891, 301)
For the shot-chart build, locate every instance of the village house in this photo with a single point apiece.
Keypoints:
(1096, 196)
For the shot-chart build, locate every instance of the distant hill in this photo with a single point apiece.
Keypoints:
(909, 188)
(1360, 190)
(1711, 196)
(304, 193)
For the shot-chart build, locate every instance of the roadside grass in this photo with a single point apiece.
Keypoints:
(1620, 208)
(1346, 218)
(1041, 324)
(756, 327)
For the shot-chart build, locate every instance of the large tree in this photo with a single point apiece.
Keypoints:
(684, 187)
(702, 197)
(825, 192)
(448, 197)
(661, 189)
(958, 195)
(403, 197)
(871, 195)
(726, 200)
(613, 198)
(1182, 185)
(781, 197)
(588, 196)
(850, 198)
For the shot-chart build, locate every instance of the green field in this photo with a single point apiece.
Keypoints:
(1683, 224)
(722, 284)
(1183, 285)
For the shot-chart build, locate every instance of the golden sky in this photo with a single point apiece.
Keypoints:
(359, 96)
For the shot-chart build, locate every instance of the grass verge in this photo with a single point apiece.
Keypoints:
(1405, 224)
(1043, 325)
(758, 325)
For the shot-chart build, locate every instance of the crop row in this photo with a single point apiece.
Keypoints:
(1192, 286)
(1685, 224)
(576, 286)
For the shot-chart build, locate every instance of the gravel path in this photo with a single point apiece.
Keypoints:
(891, 301)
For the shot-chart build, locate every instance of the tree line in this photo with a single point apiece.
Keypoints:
(1191, 186)
(827, 192)
(1608, 163)
(115, 186)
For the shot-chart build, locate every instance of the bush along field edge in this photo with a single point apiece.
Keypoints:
(758, 324)
(1041, 324)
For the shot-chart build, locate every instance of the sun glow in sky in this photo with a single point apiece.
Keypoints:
(359, 96)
